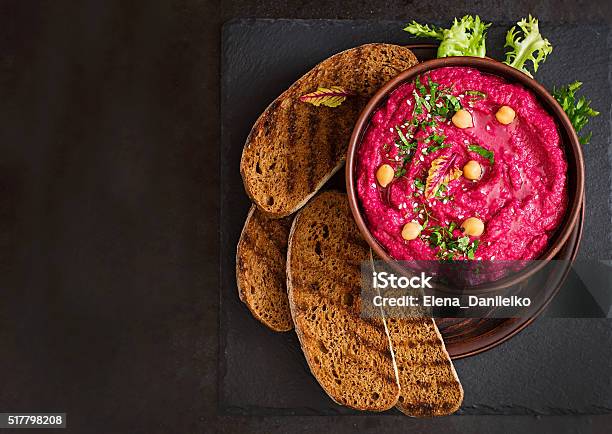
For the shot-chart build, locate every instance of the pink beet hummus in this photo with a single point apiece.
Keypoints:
(521, 196)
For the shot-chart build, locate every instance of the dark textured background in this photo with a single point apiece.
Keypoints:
(109, 273)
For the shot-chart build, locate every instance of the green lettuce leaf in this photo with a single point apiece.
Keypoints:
(466, 37)
(526, 44)
(579, 111)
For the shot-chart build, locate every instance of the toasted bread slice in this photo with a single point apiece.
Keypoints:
(261, 260)
(295, 147)
(428, 380)
(349, 356)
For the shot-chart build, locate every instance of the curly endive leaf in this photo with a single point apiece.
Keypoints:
(330, 97)
(466, 36)
(531, 47)
(442, 171)
(424, 30)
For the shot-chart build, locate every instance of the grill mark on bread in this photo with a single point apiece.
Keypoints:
(311, 162)
(267, 120)
(332, 149)
(363, 342)
(324, 134)
(278, 239)
(425, 370)
(374, 323)
(261, 270)
(290, 178)
(261, 254)
(434, 363)
(424, 343)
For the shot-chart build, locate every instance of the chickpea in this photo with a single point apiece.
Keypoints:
(462, 119)
(505, 115)
(411, 231)
(384, 175)
(473, 227)
(472, 170)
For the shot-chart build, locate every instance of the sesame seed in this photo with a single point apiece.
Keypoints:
(421, 158)
(492, 257)
(373, 185)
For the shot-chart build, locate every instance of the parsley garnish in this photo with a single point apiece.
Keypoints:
(448, 246)
(435, 148)
(483, 152)
(578, 110)
(405, 149)
(438, 101)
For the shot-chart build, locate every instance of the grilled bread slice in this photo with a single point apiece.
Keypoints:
(295, 147)
(349, 356)
(428, 380)
(261, 260)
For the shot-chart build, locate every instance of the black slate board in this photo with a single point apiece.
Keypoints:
(555, 366)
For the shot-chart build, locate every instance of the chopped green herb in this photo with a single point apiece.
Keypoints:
(438, 101)
(405, 149)
(435, 148)
(578, 110)
(419, 86)
(483, 152)
(402, 137)
(448, 246)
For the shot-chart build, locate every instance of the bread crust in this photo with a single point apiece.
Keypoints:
(260, 269)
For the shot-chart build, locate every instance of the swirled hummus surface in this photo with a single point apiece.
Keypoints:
(473, 169)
